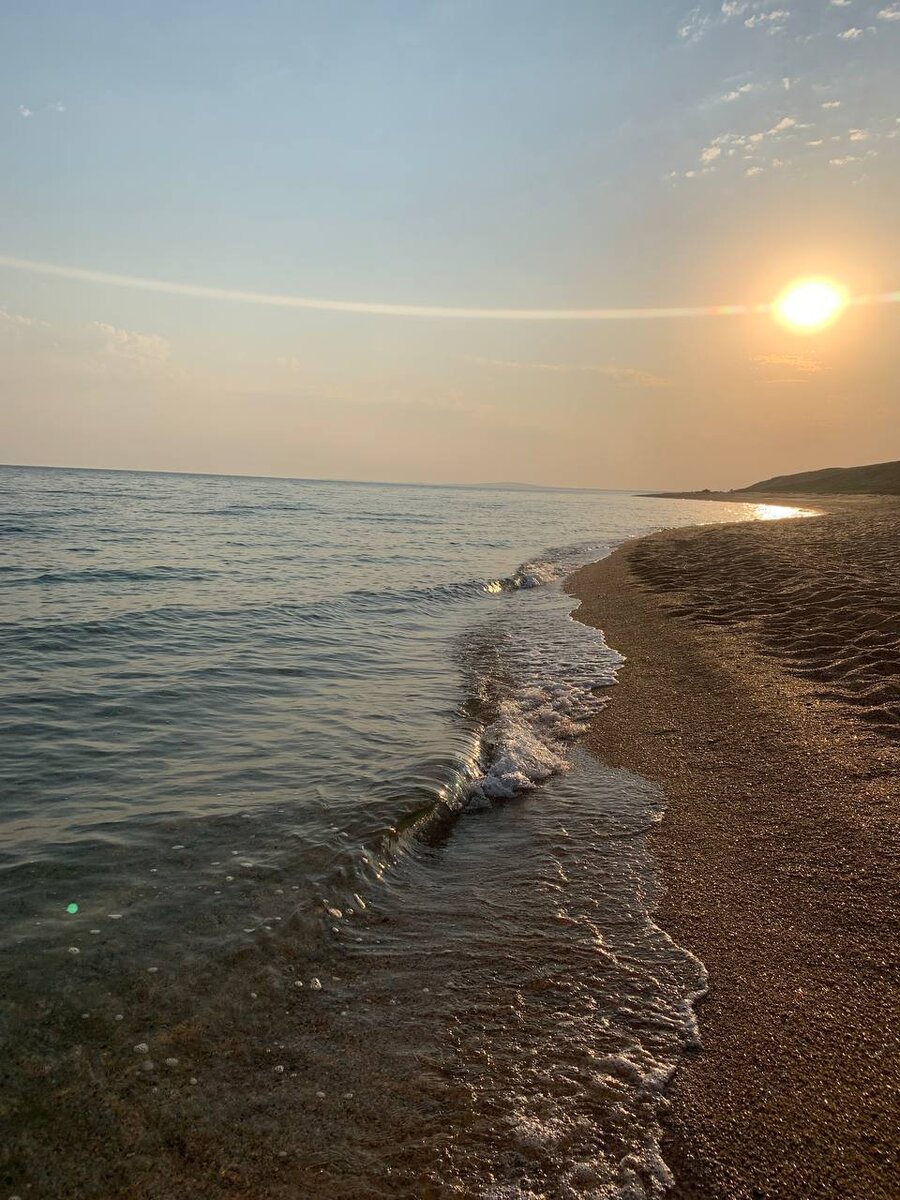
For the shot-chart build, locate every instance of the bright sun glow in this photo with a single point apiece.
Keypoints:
(810, 304)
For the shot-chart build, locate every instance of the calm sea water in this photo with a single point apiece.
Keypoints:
(308, 889)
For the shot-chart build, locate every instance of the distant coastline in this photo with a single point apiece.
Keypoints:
(875, 479)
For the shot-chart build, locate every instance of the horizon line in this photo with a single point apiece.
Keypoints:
(508, 484)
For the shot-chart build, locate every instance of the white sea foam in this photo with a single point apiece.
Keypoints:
(535, 574)
(540, 684)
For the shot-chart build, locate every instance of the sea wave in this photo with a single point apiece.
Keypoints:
(540, 677)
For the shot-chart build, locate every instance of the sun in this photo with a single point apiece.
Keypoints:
(810, 304)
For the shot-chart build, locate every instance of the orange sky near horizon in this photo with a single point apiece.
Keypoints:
(441, 155)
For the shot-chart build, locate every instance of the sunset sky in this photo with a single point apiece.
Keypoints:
(463, 153)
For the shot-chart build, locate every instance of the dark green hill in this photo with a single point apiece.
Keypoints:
(879, 479)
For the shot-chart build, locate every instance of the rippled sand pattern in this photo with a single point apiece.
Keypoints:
(821, 594)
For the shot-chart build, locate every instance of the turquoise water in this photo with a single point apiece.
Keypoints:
(279, 758)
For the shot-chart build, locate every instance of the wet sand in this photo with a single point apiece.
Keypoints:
(761, 691)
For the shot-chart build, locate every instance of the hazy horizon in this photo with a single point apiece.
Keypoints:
(451, 156)
(509, 484)
(483, 483)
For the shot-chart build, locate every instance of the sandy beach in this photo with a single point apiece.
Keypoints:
(761, 692)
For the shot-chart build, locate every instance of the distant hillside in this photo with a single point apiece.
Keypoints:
(879, 478)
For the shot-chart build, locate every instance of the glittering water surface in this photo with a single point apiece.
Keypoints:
(306, 891)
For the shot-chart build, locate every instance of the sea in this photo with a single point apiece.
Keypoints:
(309, 888)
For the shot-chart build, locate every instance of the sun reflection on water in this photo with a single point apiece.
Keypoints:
(779, 512)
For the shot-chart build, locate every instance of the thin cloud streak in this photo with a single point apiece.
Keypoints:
(627, 376)
(204, 292)
(377, 308)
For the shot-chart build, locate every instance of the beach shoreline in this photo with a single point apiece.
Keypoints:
(759, 691)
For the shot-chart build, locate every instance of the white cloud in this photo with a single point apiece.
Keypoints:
(845, 161)
(841, 3)
(753, 171)
(859, 135)
(773, 21)
(850, 35)
(695, 25)
(26, 112)
(736, 94)
(699, 22)
(127, 344)
(14, 322)
(710, 153)
(890, 14)
(832, 104)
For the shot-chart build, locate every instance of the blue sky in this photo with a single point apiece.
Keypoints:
(478, 153)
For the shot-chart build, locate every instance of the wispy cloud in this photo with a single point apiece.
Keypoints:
(127, 344)
(92, 348)
(806, 363)
(634, 377)
(27, 113)
(773, 21)
(742, 146)
(429, 312)
(695, 25)
(851, 34)
(15, 323)
(891, 13)
(744, 90)
(753, 14)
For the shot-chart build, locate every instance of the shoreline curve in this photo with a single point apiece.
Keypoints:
(779, 846)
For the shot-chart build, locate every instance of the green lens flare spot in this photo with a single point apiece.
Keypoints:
(72, 908)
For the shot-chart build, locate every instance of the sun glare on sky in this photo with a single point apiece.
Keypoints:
(810, 304)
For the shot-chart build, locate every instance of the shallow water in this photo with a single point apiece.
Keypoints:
(259, 735)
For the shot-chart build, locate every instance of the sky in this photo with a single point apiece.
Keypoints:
(463, 154)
